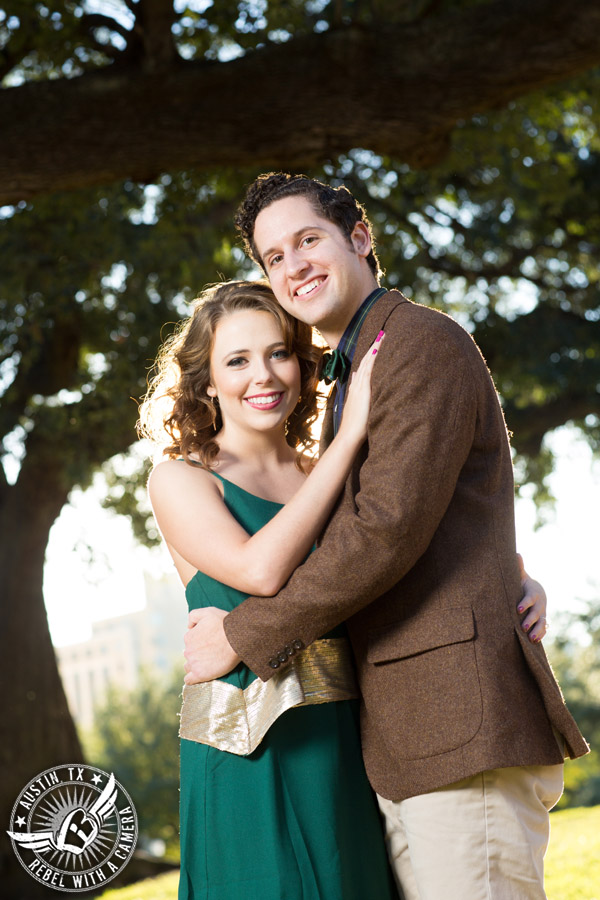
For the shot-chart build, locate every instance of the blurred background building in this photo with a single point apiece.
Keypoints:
(120, 647)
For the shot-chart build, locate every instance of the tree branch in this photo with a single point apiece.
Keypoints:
(4, 486)
(153, 23)
(22, 42)
(109, 50)
(431, 7)
(531, 423)
(356, 88)
(509, 268)
(92, 21)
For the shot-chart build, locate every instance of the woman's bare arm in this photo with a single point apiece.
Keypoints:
(198, 527)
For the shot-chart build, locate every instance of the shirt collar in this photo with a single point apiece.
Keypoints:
(349, 339)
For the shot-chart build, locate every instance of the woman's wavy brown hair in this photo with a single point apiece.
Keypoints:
(177, 407)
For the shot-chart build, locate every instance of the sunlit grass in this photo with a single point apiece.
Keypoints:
(572, 863)
(573, 860)
(163, 887)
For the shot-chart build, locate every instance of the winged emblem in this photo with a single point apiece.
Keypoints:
(78, 829)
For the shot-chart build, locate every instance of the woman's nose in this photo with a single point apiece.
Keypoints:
(262, 372)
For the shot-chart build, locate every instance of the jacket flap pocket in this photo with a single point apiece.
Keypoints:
(419, 633)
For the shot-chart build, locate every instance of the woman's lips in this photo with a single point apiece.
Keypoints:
(265, 401)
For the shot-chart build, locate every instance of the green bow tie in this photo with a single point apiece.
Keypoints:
(335, 366)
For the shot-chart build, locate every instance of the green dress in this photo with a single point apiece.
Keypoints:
(294, 820)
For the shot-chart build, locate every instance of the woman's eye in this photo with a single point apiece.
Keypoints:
(236, 361)
(281, 354)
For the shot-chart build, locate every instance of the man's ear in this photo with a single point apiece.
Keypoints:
(361, 239)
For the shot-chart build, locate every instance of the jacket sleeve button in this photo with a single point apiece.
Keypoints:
(298, 644)
(274, 663)
(289, 650)
(282, 657)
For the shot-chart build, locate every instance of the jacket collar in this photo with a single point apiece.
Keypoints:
(373, 324)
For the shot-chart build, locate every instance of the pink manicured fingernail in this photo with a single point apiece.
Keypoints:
(380, 335)
(521, 608)
(374, 351)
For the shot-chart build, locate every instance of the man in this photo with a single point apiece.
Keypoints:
(464, 728)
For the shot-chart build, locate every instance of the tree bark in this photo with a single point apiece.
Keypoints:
(397, 89)
(37, 730)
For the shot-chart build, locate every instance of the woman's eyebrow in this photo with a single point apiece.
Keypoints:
(247, 349)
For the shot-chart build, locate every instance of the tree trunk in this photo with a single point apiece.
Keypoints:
(37, 731)
(398, 89)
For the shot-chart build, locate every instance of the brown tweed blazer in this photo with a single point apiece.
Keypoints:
(419, 557)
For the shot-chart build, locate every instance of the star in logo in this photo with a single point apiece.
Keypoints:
(78, 829)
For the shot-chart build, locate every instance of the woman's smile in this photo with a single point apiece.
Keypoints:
(265, 401)
(252, 370)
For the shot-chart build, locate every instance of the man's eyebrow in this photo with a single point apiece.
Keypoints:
(295, 235)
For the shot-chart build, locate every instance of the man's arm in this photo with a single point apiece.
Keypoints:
(209, 654)
(252, 627)
(421, 430)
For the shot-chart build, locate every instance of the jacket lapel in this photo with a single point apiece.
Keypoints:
(327, 427)
(373, 324)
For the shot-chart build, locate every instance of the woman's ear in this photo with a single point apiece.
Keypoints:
(211, 391)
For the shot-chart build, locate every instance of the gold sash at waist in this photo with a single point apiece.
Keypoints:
(229, 718)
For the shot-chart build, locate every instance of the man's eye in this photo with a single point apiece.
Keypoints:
(274, 260)
(309, 239)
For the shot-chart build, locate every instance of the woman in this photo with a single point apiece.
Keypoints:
(274, 799)
(278, 807)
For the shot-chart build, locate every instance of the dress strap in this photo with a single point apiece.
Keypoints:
(194, 462)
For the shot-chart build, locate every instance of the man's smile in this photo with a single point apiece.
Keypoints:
(310, 286)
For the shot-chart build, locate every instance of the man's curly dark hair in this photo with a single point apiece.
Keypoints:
(337, 205)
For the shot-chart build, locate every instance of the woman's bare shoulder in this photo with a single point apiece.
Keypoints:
(170, 474)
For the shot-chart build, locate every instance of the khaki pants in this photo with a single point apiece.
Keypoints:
(483, 838)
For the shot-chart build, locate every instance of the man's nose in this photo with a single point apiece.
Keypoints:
(296, 264)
